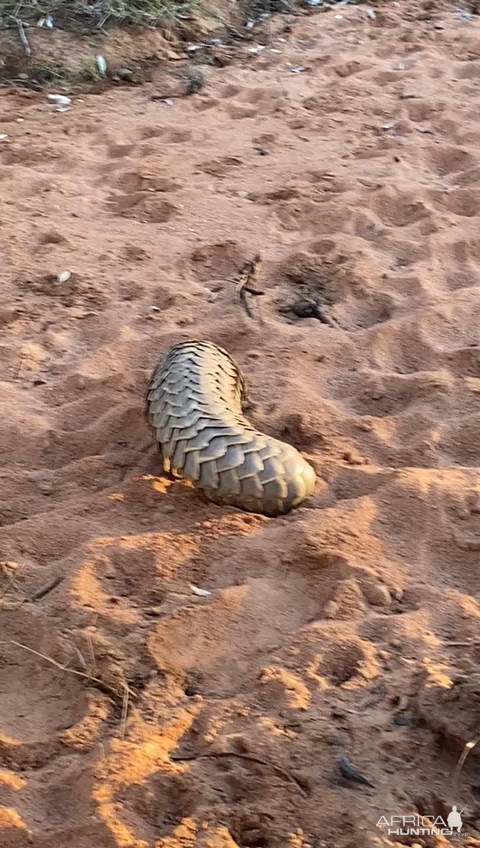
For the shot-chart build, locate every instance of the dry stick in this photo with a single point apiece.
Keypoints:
(82, 674)
(46, 589)
(23, 37)
(39, 594)
(92, 654)
(243, 290)
(248, 757)
(246, 285)
(469, 746)
(123, 721)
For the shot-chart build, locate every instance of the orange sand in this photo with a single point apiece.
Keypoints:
(324, 629)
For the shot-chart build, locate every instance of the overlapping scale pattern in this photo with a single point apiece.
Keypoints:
(194, 405)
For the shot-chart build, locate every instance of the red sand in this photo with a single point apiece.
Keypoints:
(324, 629)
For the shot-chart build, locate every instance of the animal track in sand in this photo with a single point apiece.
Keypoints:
(397, 208)
(52, 702)
(337, 281)
(238, 610)
(220, 167)
(144, 207)
(450, 160)
(221, 260)
(384, 394)
(462, 202)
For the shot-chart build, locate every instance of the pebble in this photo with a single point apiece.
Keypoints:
(377, 594)
(330, 609)
(45, 487)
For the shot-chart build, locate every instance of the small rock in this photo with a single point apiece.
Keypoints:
(306, 309)
(364, 426)
(404, 721)
(45, 487)
(101, 65)
(330, 609)
(352, 458)
(59, 99)
(154, 611)
(377, 594)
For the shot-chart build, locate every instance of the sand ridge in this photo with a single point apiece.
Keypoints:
(348, 627)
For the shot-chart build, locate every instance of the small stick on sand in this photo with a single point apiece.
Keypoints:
(23, 37)
(469, 746)
(350, 772)
(46, 589)
(247, 283)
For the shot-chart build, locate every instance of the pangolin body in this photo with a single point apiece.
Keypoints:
(194, 405)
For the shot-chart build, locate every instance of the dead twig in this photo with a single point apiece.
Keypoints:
(46, 589)
(123, 720)
(350, 772)
(38, 595)
(248, 757)
(469, 746)
(247, 282)
(93, 667)
(23, 37)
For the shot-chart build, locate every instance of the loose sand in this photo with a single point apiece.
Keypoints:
(350, 627)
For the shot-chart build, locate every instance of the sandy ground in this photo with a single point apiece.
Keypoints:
(350, 627)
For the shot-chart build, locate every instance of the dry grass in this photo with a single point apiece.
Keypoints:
(78, 15)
